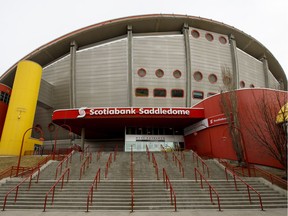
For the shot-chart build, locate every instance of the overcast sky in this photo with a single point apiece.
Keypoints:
(28, 24)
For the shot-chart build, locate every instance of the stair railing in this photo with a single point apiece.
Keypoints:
(91, 191)
(52, 189)
(211, 188)
(108, 163)
(85, 165)
(196, 157)
(177, 161)
(99, 153)
(67, 159)
(249, 187)
(169, 186)
(115, 151)
(16, 188)
(164, 152)
(155, 165)
(132, 178)
(148, 152)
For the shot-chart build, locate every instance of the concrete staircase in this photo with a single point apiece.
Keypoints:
(114, 192)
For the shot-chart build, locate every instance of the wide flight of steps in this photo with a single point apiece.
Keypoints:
(114, 192)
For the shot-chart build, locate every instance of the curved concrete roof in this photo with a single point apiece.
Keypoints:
(144, 24)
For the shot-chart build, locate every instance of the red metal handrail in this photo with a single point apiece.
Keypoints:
(52, 189)
(85, 165)
(164, 152)
(66, 159)
(115, 151)
(181, 168)
(245, 183)
(108, 163)
(94, 184)
(195, 155)
(167, 182)
(148, 153)
(155, 165)
(209, 185)
(16, 188)
(132, 179)
(6, 172)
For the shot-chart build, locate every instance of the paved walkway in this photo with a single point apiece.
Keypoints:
(269, 212)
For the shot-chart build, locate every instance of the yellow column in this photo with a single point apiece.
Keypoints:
(21, 109)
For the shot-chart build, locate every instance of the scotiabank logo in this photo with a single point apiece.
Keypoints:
(82, 112)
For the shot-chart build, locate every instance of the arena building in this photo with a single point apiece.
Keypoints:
(153, 79)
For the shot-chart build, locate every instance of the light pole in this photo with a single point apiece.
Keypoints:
(20, 153)
(55, 138)
(243, 144)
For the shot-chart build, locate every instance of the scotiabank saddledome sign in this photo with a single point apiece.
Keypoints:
(85, 112)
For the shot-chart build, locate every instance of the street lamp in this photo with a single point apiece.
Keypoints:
(243, 144)
(55, 138)
(38, 129)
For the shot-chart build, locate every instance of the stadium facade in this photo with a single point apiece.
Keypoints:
(143, 80)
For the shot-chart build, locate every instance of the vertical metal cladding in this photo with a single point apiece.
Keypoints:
(21, 110)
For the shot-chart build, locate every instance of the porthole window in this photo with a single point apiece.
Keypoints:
(159, 92)
(141, 72)
(141, 92)
(212, 78)
(159, 73)
(195, 34)
(252, 86)
(178, 93)
(242, 84)
(209, 37)
(198, 94)
(177, 74)
(198, 76)
(222, 40)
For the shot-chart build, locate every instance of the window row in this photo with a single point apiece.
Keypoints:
(4, 97)
(153, 131)
(159, 73)
(208, 36)
(175, 93)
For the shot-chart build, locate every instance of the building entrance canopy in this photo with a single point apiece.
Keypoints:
(110, 121)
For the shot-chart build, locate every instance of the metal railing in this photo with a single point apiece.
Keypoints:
(164, 152)
(67, 159)
(91, 191)
(169, 186)
(249, 187)
(108, 163)
(211, 189)
(204, 165)
(16, 188)
(85, 165)
(132, 178)
(148, 153)
(52, 189)
(155, 165)
(115, 151)
(177, 161)
(99, 153)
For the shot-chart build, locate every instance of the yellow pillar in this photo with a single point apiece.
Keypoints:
(21, 109)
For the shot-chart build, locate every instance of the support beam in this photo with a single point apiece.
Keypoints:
(265, 71)
(83, 139)
(188, 64)
(73, 49)
(235, 64)
(130, 69)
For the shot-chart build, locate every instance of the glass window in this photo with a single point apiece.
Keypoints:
(159, 92)
(2, 96)
(198, 76)
(212, 78)
(159, 73)
(177, 93)
(209, 37)
(222, 40)
(141, 92)
(195, 34)
(198, 95)
(177, 74)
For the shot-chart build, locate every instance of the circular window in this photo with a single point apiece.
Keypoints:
(198, 76)
(141, 72)
(159, 73)
(212, 78)
(177, 74)
(252, 86)
(222, 40)
(242, 84)
(195, 34)
(209, 37)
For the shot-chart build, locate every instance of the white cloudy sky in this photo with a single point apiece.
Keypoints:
(27, 24)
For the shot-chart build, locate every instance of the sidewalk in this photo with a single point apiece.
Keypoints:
(269, 212)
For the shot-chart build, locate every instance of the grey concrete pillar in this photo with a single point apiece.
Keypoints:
(265, 71)
(130, 72)
(235, 65)
(73, 49)
(83, 139)
(188, 64)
